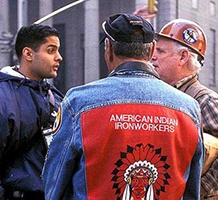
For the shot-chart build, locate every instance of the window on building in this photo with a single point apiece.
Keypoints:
(212, 8)
(195, 4)
(212, 58)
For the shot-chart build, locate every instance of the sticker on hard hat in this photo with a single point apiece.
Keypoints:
(190, 36)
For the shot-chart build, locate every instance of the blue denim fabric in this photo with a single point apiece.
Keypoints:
(64, 173)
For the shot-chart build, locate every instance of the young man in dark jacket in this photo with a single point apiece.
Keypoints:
(27, 111)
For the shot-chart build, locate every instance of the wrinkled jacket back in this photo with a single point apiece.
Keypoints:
(126, 136)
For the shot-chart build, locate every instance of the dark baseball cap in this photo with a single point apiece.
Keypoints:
(124, 28)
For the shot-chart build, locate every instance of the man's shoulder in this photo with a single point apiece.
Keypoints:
(198, 90)
(194, 88)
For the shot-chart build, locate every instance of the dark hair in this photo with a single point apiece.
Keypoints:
(33, 36)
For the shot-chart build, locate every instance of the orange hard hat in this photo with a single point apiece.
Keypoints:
(186, 32)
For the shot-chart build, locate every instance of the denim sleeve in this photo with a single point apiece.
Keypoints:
(60, 160)
(194, 179)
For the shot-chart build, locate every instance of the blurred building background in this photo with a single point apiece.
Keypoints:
(80, 32)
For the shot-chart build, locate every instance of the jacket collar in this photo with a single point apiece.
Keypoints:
(129, 67)
(186, 82)
(11, 74)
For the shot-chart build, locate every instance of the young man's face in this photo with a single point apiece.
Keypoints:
(45, 62)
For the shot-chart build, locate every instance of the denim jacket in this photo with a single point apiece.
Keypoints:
(127, 136)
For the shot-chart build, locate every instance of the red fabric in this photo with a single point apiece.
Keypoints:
(163, 137)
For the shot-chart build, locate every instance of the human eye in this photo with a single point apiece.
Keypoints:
(160, 50)
(51, 50)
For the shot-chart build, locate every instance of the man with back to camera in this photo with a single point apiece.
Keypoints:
(27, 112)
(178, 58)
(121, 137)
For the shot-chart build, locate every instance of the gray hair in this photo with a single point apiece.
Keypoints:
(136, 50)
(194, 63)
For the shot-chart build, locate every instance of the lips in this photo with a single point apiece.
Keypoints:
(56, 67)
(155, 66)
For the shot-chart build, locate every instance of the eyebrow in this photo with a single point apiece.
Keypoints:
(160, 49)
(52, 45)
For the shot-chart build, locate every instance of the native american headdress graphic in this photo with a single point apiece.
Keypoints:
(141, 172)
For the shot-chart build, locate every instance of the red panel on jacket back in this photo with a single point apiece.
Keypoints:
(137, 151)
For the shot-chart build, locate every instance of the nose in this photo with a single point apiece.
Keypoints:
(154, 57)
(59, 57)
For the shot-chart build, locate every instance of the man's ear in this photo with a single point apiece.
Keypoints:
(184, 55)
(152, 50)
(28, 53)
(108, 50)
(107, 44)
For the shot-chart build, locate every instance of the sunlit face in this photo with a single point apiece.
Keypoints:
(45, 62)
(165, 60)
